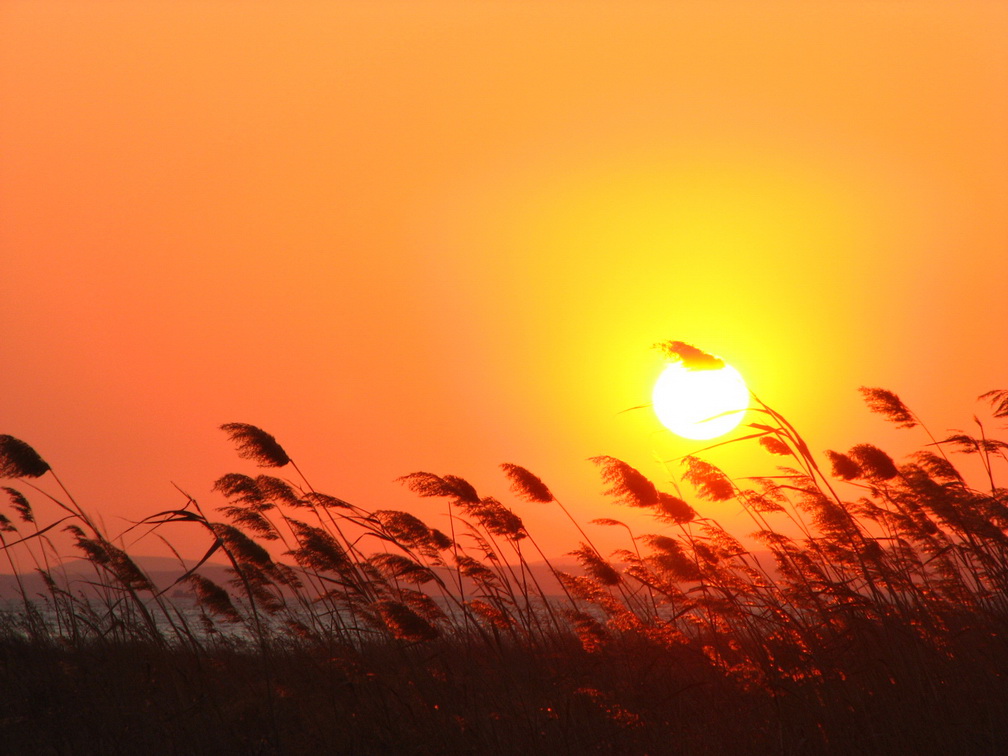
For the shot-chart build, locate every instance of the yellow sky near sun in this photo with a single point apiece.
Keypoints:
(445, 235)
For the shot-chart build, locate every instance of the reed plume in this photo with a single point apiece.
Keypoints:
(626, 484)
(402, 527)
(20, 504)
(256, 444)
(491, 615)
(691, 357)
(874, 463)
(998, 399)
(19, 460)
(668, 555)
(214, 598)
(710, 482)
(323, 500)
(450, 486)
(403, 622)
(497, 519)
(891, 407)
(318, 549)
(673, 510)
(590, 632)
(527, 485)
(843, 466)
(937, 466)
(399, 567)
(240, 488)
(243, 549)
(967, 444)
(775, 446)
(277, 490)
(897, 595)
(595, 566)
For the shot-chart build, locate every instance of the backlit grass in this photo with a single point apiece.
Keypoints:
(879, 627)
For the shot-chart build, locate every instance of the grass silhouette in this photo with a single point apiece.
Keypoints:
(879, 627)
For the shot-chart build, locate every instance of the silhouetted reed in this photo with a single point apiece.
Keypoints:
(19, 460)
(862, 583)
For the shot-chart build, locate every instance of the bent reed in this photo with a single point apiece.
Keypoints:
(879, 626)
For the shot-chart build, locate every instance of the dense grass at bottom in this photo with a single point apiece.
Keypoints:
(880, 627)
(446, 698)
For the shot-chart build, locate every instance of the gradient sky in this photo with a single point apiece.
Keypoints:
(444, 235)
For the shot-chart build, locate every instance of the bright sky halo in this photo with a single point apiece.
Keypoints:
(700, 404)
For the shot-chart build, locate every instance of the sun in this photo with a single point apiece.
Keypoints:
(700, 404)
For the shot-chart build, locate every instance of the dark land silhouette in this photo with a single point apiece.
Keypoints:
(869, 615)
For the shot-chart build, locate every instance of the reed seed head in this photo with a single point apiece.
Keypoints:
(256, 444)
(843, 466)
(775, 446)
(214, 598)
(403, 622)
(673, 509)
(399, 567)
(998, 400)
(626, 484)
(19, 460)
(462, 489)
(498, 519)
(937, 466)
(690, 356)
(241, 547)
(403, 527)
(527, 485)
(241, 488)
(429, 484)
(891, 407)
(595, 565)
(874, 463)
(20, 503)
(709, 481)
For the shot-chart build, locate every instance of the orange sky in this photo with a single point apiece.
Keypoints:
(444, 235)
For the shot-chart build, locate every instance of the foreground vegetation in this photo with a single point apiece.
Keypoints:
(880, 627)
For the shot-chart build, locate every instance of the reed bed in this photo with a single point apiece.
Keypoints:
(879, 627)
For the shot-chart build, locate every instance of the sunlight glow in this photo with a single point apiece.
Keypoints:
(700, 404)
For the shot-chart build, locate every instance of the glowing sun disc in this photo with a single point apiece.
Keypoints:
(700, 404)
